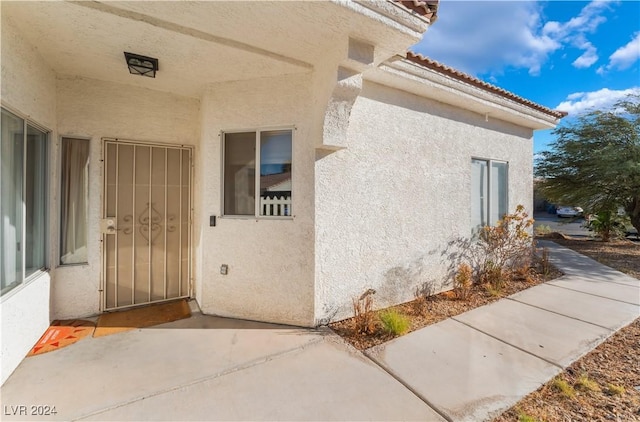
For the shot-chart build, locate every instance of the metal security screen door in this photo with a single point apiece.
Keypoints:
(147, 223)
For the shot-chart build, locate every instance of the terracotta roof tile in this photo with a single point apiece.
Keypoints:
(428, 8)
(273, 179)
(461, 76)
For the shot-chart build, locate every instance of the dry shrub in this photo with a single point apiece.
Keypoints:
(495, 292)
(462, 282)
(545, 265)
(542, 230)
(364, 319)
(505, 248)
(492, 274)
(419, 306)
(522, 274)
(427, 289)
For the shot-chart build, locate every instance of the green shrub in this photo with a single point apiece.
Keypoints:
(563, 388)
(523, 417)
(394, 322)
(615, 390)
(607, 224)
(586, 384)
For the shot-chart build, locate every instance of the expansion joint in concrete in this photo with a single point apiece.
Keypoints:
(559, 313)
(409, 387)
(509, 344)
(234, 369)
(593, 294)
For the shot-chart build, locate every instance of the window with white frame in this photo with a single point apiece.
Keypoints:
(23, 187)
(74, 195)
(266, 193)
(489, 187)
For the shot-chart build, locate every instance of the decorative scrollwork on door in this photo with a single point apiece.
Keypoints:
(150, 223)
(128, 219)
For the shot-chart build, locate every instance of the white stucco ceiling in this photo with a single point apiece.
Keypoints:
(196, 43)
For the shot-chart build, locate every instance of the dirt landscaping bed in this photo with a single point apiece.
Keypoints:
(425, 311)
(601, 386)
(604, 385)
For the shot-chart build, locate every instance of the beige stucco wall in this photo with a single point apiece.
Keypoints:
(28, 88)
(94, 110)
(389, 204)
(270, 261)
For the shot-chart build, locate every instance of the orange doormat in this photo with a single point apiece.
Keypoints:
(62, 333)
(117, 322)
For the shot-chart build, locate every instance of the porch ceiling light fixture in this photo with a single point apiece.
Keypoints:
(141, 65)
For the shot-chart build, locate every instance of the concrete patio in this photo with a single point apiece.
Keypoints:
(470, 367)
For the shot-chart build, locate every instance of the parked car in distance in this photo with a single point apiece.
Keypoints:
(567, 212)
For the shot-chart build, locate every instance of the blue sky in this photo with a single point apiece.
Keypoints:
(566, 55)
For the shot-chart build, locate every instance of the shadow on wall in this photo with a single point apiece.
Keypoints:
(417, 275)
(396, 280)
(459, 250)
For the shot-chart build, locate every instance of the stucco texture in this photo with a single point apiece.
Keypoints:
(28, 87)
(389, 204)
(93, 110)
(270, 261)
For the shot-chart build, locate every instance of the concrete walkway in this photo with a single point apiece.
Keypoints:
(470, 367)
(476, 365)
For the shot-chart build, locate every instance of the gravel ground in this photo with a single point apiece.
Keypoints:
(605, 386)
(423, 312)
(605, 382)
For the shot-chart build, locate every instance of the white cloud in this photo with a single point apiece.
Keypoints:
(588, 58)
(503, 34)
(496, 34)
(586, 22)
(624, 56)
(581, 102)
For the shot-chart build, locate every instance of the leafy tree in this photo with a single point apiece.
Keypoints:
(595, 161)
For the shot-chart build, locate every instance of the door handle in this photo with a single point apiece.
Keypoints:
(108, 225)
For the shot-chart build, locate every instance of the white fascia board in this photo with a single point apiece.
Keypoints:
(411, 77)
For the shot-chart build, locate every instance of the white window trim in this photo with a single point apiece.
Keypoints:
(256, 215)
(27, 280)
(490, 161)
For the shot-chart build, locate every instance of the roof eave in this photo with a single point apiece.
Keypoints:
(427, 82)
(428, 9)
(465, 78)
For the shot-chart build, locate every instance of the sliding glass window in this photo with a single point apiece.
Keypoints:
(489, 192)
(23, 187)
(263, 194)
(74, 194)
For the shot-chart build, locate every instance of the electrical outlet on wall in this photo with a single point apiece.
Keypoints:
(224, 269)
